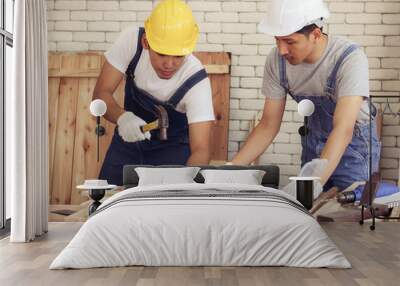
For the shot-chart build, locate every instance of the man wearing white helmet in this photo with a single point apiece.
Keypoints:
(330, 71)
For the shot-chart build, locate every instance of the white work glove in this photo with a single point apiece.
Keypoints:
(129, 127)
(314, 168)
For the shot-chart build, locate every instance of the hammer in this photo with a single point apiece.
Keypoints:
(161, 123)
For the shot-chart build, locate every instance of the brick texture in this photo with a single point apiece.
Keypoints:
(228, 25)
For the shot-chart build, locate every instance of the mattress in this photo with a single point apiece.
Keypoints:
(201, 225)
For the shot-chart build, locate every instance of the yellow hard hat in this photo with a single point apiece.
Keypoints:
(171, 28)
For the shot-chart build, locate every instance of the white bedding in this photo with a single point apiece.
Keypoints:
(183, 231)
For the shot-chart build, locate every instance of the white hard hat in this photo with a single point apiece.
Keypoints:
(286, 17)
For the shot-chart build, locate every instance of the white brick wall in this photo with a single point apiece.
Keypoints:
(228, 25)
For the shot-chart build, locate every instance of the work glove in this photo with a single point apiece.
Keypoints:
(129, 127)
(314, 168)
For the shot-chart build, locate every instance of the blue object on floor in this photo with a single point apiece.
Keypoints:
(384, 189)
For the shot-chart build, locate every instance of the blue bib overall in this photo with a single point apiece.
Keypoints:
(174, 151)
(354, 165)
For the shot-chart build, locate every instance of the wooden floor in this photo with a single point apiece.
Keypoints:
(374, 255)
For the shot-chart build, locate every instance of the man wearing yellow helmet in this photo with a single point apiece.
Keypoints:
(159, 70)
(332, 72)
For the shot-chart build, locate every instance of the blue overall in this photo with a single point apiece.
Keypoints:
(354, 165)
(174, 151)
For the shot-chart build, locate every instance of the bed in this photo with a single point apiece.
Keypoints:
(201, 224)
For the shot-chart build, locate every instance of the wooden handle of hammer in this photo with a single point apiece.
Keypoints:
(150, 126)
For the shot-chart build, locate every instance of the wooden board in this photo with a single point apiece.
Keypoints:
(54, 84)
(64, 141)
(85, 149)
(72, 139)
(220, 84)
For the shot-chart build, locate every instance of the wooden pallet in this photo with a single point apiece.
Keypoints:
(79, 212)
(72, 141)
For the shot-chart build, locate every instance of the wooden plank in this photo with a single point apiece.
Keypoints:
(64, 141)
(210, 69)
(324, 198)
(80, 212)
(395, 212)
(220, 85)
(75, 65)
(55, 217)
(352, 214)
(219, 140)
(90, 64)
(62, 207)
(54, 86)
(70, 62)
(54, 62)
(217, 69)
(85, 163)
(71, 74)
(212, 58)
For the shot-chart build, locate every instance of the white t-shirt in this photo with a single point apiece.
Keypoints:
(197, 103)
(352, 77)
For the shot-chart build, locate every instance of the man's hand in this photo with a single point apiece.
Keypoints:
(129, 128)
(263, 134)
(106, 84)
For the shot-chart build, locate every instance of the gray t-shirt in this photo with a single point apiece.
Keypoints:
(310, 79)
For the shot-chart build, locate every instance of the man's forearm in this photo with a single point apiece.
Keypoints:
(257, 142)
(334, 149)
(197, 158)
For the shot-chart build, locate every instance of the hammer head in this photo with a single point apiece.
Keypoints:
(163, 121)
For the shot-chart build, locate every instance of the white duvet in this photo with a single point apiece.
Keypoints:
(202, 231)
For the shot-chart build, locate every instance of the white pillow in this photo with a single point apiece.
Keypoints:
(248, 177)
(163, 176)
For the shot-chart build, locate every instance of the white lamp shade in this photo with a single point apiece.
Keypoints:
(305, 107)
(98, 107)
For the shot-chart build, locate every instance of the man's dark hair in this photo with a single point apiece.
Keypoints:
(307, 30)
